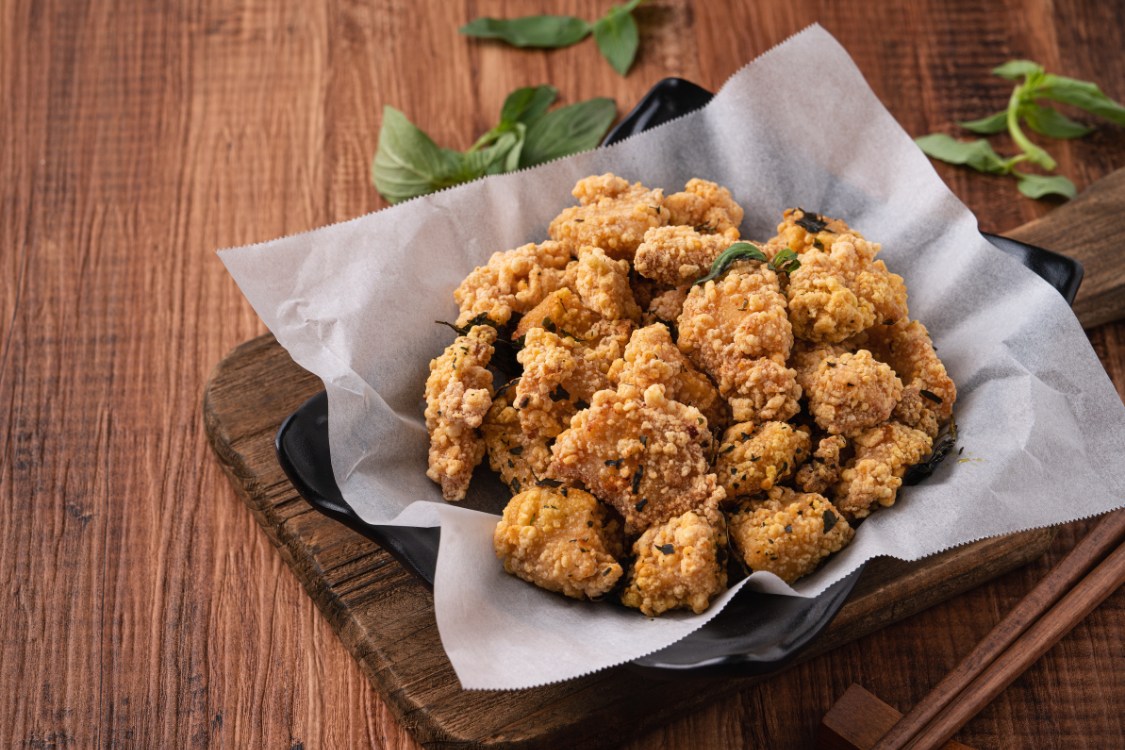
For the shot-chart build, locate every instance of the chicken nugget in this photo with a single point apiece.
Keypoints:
(839, 292)
(512, 281)
(603, 285)
(641, 452)
(558, 380)
(666, 306)
(850, 393)
(678, 255)
(736, 330)
(680, 564)
(706, 207)
(882, 456)
(824, 469)
(560, 540)
(612, 215)
(789, 533)
(519, 460)
(802, 230)
(753, 459)
(458, 395)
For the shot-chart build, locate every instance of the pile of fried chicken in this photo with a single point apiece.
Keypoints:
(661, 435)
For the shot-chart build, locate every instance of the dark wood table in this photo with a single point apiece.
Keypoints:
(142, 606)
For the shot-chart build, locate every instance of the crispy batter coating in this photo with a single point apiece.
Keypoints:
(929, 393)
(850, 393)
(789, 533)
(753, 459)
(736, 330)
(872, 478)
(560, 312)
(512, 281)
(839, 292)
(603, 285)
(795, 231)
(652, 357)
(558, 380)
(707, 207)
(680, 564)
(824, 469)
(641, 452)
(519, 460)
(612, 215)
(560, 540)
(678, 255)
(666, 306)
(458, 395)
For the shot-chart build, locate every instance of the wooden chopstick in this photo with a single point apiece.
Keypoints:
(999, 659)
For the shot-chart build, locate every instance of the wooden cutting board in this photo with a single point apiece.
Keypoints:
(385, 616)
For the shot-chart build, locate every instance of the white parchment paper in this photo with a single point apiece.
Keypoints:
(355, 303)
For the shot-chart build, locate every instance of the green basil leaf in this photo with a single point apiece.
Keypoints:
(632, 5)
(786, 261)
(1082, 94)
(1038, 185)
(567, 130)
(737, 251)
(1050, 122)
(527, 105)
(408, 163)
(996, 123)
(976, 154)
(512, 159)
(1013, 70)
(489, 160)
(545, 32)
(617, 38)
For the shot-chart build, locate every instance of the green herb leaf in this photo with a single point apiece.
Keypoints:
(737, 251)
(666, 548)
(1038, 185)
(567, 130)
(1050, 122)
(617, 37)
(408, 163)
(990, 125)
(1013, 70)
(527, 105)
(544, 32)
(786, 261)
(829, 519)
(1082, 94)
(976, 154)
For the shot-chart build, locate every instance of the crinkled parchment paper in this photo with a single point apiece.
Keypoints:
(1042, 428)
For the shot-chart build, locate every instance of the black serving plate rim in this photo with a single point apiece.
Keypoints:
(416, 548)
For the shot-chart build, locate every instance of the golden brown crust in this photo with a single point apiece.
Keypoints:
(678, 255)
(557, 380)
(679, 564)
(641, 452)
(850, 393)
(512, 281)
(789, 533)
(521, 461)
(560, 540)
(793, 231)
(824, 469)
(612, 215)
(458, 395)
(872, 478)
(753, 459)
(706, 207)
(603, 285)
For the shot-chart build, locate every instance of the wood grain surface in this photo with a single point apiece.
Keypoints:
(143, 607)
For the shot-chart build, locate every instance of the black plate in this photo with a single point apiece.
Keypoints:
(756, 632)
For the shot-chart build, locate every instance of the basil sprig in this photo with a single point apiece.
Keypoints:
(615, 33)
(785, 261)
(1024, 106)
(408, 163)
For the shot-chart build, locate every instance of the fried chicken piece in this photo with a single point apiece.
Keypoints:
(642, 453)
(512, 281)
(666, 306)
(839, 292)
(929, 393)
(560, 540)
(680, 564)
(458, 395)
(850, 393)
(519, 460)
(603, 285)
(802, 230)
(789, 533)
(882, 456)
(737, 331)
(707, 207)
(678, 255)
(560, 312)
(824, 470)
(752, 459)
(652, 357)
(612, 215)
(558, 380)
